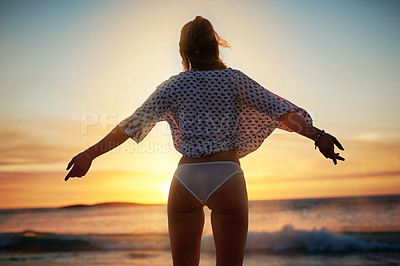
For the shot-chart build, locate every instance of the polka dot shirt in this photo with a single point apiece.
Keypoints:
(212, 111)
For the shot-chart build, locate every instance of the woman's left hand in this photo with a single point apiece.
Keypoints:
(80, 165)
(326, 145)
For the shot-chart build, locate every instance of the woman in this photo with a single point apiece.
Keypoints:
(217, 115)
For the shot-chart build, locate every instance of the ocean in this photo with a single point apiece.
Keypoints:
(334, 231)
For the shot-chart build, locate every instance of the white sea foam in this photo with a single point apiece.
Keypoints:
(290, 239)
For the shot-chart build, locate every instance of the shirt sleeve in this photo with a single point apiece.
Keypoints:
(255, 96)
(140, 123)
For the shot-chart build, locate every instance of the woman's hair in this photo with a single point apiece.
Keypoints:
(199, 45)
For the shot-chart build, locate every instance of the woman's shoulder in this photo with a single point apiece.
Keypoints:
(166, 83)
(211, 73)
(190, 75)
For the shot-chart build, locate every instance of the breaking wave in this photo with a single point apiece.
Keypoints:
(288, 239)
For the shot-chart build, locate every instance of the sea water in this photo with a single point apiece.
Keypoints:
(337, 231)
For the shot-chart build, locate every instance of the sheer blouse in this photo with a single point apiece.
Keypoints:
(212, 111)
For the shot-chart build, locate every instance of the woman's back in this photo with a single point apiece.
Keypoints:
(212, 111)
(204, 108)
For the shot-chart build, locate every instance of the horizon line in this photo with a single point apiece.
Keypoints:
(155, 203)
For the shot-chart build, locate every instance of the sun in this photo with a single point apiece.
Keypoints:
(163, 189)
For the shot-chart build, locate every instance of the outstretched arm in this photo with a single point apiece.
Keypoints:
(326, 143)
(81, 163)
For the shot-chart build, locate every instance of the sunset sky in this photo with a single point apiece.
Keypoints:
(71, 70)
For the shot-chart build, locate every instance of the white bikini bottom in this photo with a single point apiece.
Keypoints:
(203, 179)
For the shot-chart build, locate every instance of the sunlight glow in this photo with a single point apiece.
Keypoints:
(71, 70)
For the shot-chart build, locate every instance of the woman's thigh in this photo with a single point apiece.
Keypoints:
(229, 218)
(185, 225)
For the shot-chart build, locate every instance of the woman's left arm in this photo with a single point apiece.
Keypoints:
(326, 142)
(81, 162)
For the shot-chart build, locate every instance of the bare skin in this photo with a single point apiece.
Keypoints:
(229, 217)
(229, 204)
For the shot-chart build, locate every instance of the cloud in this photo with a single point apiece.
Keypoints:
(333, 177)
(37, 141)
(364, 159)
(380, 174)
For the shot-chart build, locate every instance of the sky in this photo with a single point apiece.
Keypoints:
(71, 70)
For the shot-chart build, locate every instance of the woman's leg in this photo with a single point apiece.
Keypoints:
(229, 219)
(185, 225)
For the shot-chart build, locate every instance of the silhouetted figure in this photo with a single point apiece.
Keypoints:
(217, 115)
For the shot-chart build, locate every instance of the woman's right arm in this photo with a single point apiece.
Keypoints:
(326, 143)
(292, 117)
(81, 163)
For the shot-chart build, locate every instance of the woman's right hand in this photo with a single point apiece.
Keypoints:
(80, 165)
(326, 146)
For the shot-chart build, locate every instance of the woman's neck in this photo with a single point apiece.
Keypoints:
(208, 69)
